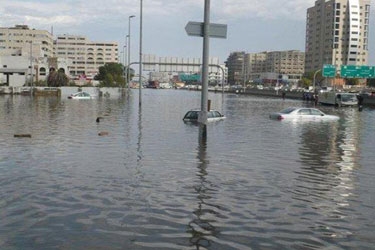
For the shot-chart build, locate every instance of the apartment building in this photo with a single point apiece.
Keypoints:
(86, 56)
(21, 40)
(289, 64)
(337, 33)
(266, 66)
(24, 54)
(235, 64)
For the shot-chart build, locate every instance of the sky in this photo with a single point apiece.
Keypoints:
(253, 25)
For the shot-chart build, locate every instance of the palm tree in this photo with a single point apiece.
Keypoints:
(57, 79)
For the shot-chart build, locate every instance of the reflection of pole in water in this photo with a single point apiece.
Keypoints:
(202, 133)
(139, 143)
(201, 229)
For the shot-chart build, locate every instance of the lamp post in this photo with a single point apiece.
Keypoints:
(316, 72)
(128, 68)
(124, 60)
(140, 54)
(31, 67)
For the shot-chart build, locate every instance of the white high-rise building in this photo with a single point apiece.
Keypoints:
(337, 33)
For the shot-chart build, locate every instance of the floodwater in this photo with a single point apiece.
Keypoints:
(150, 183)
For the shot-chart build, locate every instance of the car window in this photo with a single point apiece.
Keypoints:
(316, 112)
(287, 110)
(210, 114)
(216, 114)
(304, 112)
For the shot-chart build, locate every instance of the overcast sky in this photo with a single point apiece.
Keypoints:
(253, 25)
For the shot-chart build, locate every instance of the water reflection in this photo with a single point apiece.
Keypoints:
(328, 153)
(201, 228)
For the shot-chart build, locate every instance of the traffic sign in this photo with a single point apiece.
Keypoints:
(215, 30)
(329, 70)
(357, 71)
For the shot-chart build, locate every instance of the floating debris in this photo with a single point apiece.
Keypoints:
(103, 133)
(99, 118)
(22, 135)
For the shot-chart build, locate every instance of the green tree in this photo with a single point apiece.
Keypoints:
(352, 81)
(306, 82)
(57, 78)
(111, 75)
(371, 82)
(309, 76)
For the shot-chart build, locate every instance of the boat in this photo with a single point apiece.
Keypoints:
(338, 99)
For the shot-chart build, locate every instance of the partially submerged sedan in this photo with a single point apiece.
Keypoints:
(82, 95)
(293, 113)
(212, 115)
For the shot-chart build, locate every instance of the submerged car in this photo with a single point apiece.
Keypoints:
(82, 95)
(302, 114)
(212, 115)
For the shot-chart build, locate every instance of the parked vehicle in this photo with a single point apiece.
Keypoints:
(82, 95)
(212, 115)
(293, 113)
(338, 98)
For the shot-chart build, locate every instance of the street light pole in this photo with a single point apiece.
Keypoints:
(124, 59)
(31, 67)
(316, 72)
(140, 54)
(128, 68)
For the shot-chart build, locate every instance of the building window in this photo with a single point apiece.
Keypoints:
(42, 71)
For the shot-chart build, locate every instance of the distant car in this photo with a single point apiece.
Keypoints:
(302, 114)
(212, 115)
(82, 95)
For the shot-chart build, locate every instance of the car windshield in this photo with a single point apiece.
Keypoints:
(348, 97)
(191, 115)
(287, 110)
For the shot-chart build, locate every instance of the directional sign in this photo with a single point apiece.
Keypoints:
(191, 78)
(215, 30)
(354, 71)
(329, 70)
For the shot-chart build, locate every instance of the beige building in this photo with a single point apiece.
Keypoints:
(337, 33)
(24, 55)
(21, 39)
(284, 65)
(27, 54)
(86, 56)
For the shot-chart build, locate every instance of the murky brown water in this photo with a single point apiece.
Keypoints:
(150, 183)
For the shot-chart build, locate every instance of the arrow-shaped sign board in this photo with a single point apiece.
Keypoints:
(215, 30)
